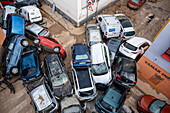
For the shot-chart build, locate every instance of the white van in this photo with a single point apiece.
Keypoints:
(31, 14)
(110, 25)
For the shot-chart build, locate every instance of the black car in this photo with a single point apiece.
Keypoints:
(20, 3)
(125, 72)
(57, 76)
(112, 100)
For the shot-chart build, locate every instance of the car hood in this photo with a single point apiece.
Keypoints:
(63, 90)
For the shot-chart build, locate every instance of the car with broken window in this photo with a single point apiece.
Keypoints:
(127, 30)
(57, 76)
(134, 47)
(20, 3)
(93, 34)
(43, 100)
(34, 30)
(30, 64)
(71, 105)
(31, 14)
(50, 45)
(80, 55)
(112, 100)
(101, 68)
(135, 4)
(125, 72)
(85, 89)
(13, 54)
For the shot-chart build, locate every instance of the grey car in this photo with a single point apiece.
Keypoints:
(13, 54)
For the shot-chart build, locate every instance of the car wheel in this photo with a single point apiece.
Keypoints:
(57, 49)
(36, 41)
(24, 42)
(14, 70)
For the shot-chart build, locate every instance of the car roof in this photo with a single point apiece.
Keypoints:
(84, 79)
(29, 8)
(97, 53)
(128, 64)
(110, 20)
(137, 41)
(35, 28)
(113, 98)
(80, 48)
(124, 20)
(95, 35)
(41, 97)
(113, 44)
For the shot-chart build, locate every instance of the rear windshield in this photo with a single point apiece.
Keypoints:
(156, 106)
(29, 71)
(129, 33)
(136, 1)
(43, 32)
(129, 46)
(86, 93)
(81, 57)
(112, 30)
(130, 76)
(72, 109)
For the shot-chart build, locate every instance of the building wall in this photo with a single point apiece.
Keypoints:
(154, 68)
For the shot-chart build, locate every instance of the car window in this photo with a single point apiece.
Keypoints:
(100, 19)
(107, 106)
(156, 106)
(130, 76)
(86, 93)
(52, 40)
(43, 32)
(72, 109)
(107, 62)
(136, 1)
(29, 71)
(81, 57)
(129, 33)
(99, 69)
(129, 46)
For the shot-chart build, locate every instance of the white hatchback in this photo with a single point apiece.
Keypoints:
(101, 68)
(134, 47)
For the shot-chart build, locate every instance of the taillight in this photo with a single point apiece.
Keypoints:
(89, 46)
(134, 52)
(89, 60)
(106, 33)
(134, 81)
(123, 37)
(118, 76)
(74, 62)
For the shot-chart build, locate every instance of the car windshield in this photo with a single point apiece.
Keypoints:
(34, 84)
(4, 25)
(99, 69)
(86, 93)
(129, 46)
(29, 71)
(43, 32)
(11, 45)
(59, 79)
(130, 76)
(136, 1)
(72, 109)
(156, 106)
(81, 57)
(131, 33)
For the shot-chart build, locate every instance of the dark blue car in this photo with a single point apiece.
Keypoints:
(30, 65)
(80, 55)
(112, 100)
(13, 53)
(15, 26)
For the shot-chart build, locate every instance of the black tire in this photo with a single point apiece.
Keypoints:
(14, 70)
(24, 43)
(56, 49)
(36, 41)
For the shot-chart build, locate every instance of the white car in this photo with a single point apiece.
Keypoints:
(31, 14)
(85, 89)
(34, 30)
(110, 25)
(93, 34)
(127, 30)
(134, 47)
(101, 68)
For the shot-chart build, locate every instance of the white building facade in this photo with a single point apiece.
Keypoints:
(79, 11)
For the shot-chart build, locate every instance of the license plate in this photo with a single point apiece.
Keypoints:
(82, 62)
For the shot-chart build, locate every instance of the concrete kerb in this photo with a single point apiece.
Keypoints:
(62, 21)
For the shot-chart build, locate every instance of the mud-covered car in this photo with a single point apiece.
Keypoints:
(30, 64)
(50, 45)
(42, 97)
(57, 76)
(71, 105)
(13, 53)
(21, 3)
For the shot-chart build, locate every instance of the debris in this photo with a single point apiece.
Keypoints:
(9, 85)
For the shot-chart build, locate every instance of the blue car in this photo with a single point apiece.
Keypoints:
(80, 55)
(112, 100)
(13, 53)
(15, 26)
(30, 65)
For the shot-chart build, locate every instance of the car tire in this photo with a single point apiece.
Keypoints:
(24, 43)
(14, 71)
(56, 49)
(36, 41)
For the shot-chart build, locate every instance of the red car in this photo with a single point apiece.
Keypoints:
(50, 45)
(6, 2)
(135, 4)
(150, 104)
